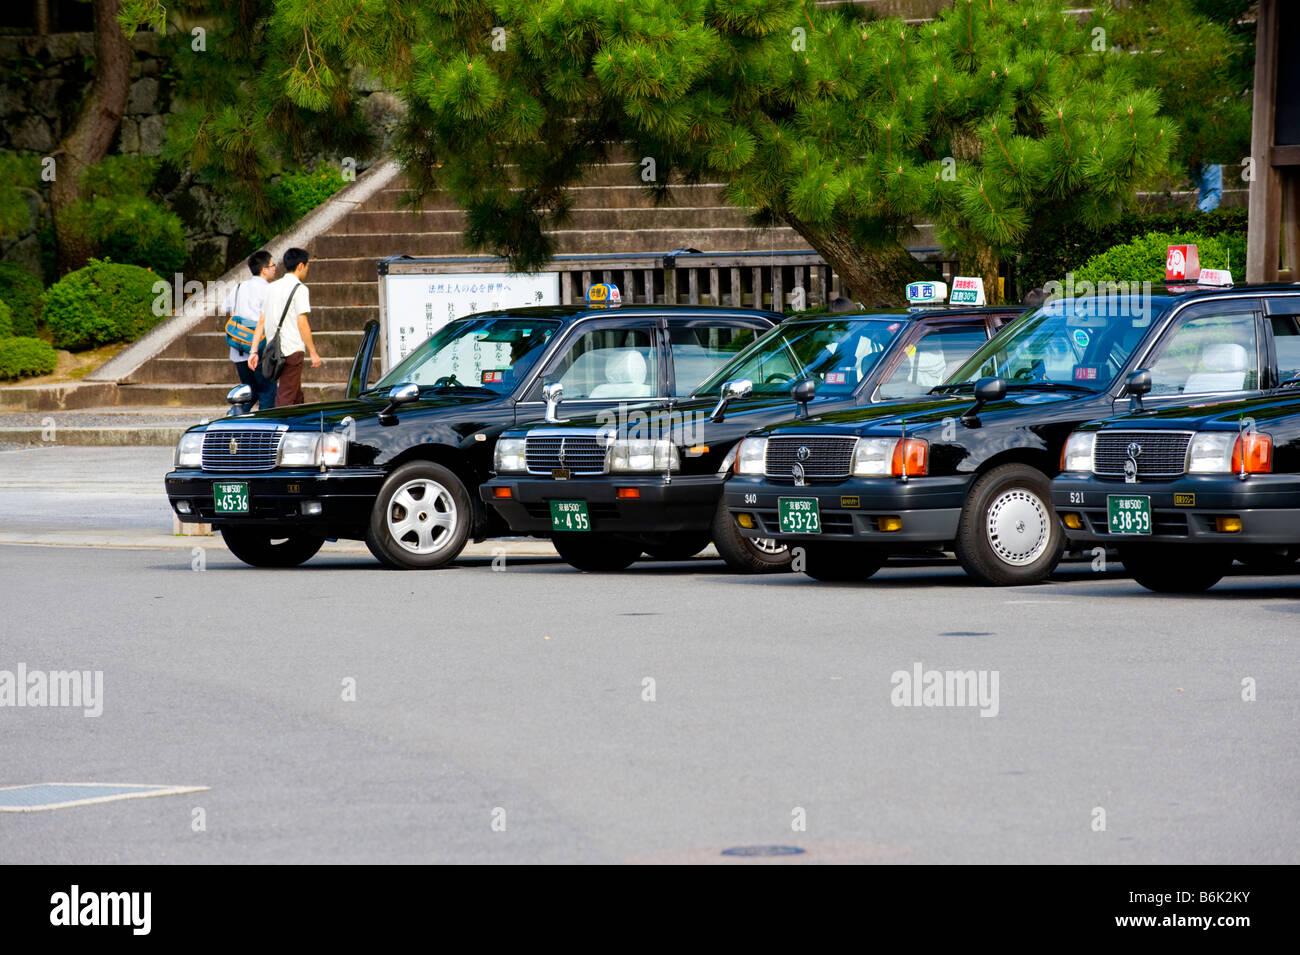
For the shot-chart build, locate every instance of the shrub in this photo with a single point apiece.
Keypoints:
(122, 222)
(1143, 259)
(102, 303)
(24, 294)
(6, 321)
(1053, 251)
(23, 357)
(294, 195)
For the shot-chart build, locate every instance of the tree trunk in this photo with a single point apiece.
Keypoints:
(90, 137)
(982, 261)
(875, 275)
(41, 16)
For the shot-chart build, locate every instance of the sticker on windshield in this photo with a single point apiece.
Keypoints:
(836, 378)
(1085, 373)
(1081, 337)
(894, 327)
(492, 376)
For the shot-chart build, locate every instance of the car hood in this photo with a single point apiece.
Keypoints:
(332, 413)
(1214, 416)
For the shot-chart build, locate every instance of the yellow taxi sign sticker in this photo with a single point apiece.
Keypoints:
(850, 501)
(1184, 500)
(604, 295)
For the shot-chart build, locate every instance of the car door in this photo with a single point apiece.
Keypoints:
(932, 353)
(700, 345)
(1282, 326)
(1210, 350)
(359, 377)
(602, 364)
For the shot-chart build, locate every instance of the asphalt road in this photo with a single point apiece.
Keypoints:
(517, 697)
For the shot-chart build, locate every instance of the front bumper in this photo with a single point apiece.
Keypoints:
(928, 507)
(1267, 504)
(277, 498)
(686, 503)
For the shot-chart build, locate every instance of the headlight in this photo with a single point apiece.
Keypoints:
(298, 449)
(873, 457)
(509, 455)
(1211, 452)
(189, 453)
(1221, 452)
(1077, 454)
(643, 454)
(751, 456)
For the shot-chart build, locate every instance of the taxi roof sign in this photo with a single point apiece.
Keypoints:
(604, 295)
(1218, 277)
(926, 293)
(967, 290)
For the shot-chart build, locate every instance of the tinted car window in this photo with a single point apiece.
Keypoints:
(1286, 339)
(494, 353)
(930, 361)
(1208, 353)
(699, 350)
(611, 362)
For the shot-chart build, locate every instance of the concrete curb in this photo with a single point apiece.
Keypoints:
(142, 436)
(127, 362)
(138, 540)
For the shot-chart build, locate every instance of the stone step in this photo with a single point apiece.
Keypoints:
(619, 196)
(216, 371)
(364, 223)
(347, 291)
(330, 344)
(213, 396)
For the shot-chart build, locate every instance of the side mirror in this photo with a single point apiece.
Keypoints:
(398, 395)
(554, 394)
(240, 398)
(803, 391)
(986, 390)
(732, 390)
(1135, 386)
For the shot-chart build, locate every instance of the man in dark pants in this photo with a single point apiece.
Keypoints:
(246, 302)
(286, 299)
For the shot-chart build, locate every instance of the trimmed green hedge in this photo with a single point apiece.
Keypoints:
(1054, 250)
(24, 294)
(6, 321)
(294, 195)
(1143, 259)
(24, 357)
(102, 303)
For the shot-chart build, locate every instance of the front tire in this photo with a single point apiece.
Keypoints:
(421, 518)
(1175, 570)
(596, 553)
(259, 548)
(744, 554)
(841, 562)
(1008, 534)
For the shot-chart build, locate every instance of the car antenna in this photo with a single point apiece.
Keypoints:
(903, 440)
(321, 445)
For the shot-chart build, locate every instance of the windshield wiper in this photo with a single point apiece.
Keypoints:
(1050, 386)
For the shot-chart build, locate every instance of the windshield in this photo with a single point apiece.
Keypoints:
(1072, 343)
(839, 353)
(492, 353)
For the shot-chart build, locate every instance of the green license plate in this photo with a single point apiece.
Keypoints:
(230, 497)
(799, 515)
(569, 516)
(1128, 515)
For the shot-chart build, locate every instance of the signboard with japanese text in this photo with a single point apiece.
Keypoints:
(417, 304)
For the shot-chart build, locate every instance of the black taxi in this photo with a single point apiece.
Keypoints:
(398, 463)
(1182, 492)
(607, 489)
(968, 467)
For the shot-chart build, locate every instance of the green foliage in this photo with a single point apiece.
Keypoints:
(1061, 247)
(24, 294)
(6, 321)
(99, 304)
(1143, 259)
(293, 195)
(24, 357)
(120, 219)
(18, 175)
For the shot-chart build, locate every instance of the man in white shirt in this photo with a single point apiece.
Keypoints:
(246, 302)
(287, 298)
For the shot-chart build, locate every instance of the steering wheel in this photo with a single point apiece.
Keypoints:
(1035, 372)
(776, 377)
(447, 381)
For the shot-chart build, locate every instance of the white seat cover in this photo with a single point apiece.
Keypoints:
(1223, 368)
(625, 376)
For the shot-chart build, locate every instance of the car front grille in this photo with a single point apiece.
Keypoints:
(825, 458)
(579, 454)
(1163, 455)
(233, 449)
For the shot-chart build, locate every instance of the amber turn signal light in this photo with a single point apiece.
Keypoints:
(888, 524)
(1227, 525)
(1072, 520)
(745, 520)
(501, 492)
(910, 457)
(629, 493)
(1258, 452)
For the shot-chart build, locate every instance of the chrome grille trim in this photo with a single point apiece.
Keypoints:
(583, 453)
(828, 457)
(1164, 453)
(257, 449)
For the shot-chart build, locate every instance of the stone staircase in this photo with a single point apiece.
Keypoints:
(612, 213)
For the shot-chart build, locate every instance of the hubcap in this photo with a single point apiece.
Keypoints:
(421, 516)
(1019, 527)
(767, 546)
